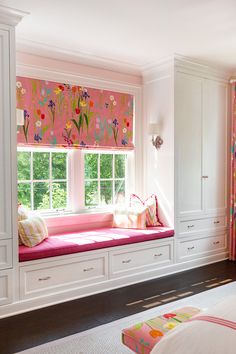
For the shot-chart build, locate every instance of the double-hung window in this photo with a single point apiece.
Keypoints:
(45, 179)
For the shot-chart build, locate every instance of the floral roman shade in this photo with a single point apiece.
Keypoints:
(62, 115)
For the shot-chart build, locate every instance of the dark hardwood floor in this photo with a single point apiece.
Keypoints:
(37, 327)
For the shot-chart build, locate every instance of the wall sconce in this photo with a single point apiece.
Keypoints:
(19, 116)
(154, 130)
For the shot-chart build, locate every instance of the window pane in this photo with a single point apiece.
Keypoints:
(120, 191)
(41, 195)
(59, 165)
(41, 165)
(91, 193)
(106, 192)
(106, 165)
(91, 166)
(23, 161)
(120, 166)
(24, 194)
(59, 195)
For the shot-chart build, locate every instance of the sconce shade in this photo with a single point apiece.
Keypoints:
(153, 129)
(19, 116)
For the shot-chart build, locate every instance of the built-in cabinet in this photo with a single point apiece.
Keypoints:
(5, 169)
(8, 19)
(190, 103)
(201, 146)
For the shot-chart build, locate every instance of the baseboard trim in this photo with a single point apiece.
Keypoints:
(111, 284)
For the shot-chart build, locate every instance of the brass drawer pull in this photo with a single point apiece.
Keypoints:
(88, 269)
(216, 222)
(191, 248)
(158, 255)
(45, 278)
(216, 242)
(190, 226)
(126, 261)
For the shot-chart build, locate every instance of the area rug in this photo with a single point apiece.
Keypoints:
(106, 339)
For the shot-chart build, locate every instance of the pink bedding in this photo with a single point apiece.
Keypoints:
(69, 243)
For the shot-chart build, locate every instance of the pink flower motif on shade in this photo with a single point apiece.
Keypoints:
(98, 119)
(114, 103)
(169, 315)
(109, 121)
(97, 126)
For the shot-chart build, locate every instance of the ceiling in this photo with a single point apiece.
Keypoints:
(131, 33)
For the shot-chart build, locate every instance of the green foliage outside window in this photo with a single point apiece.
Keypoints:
(48, 192)
(104, 173)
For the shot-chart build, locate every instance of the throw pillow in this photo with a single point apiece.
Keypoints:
(130, 217)
(22, 215)
(33, 231)
(151, 205)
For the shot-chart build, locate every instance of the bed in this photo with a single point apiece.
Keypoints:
(207, 334)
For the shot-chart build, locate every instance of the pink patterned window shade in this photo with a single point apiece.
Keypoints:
(62, 115)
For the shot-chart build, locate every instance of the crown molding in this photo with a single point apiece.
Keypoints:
(147, 71)
(205, 68)
(44, 50)
(11, 16)
(167, 66)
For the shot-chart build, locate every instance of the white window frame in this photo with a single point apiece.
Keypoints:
(75, 173)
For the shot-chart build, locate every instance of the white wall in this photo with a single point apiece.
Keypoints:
(159, 164)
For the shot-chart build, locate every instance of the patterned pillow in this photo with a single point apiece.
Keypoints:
(151, 205)
(130, 218)
(22, 215)
(33, 231)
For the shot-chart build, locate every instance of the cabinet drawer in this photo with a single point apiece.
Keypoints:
(122, 262)
(197, 247)
(5, 287)
(61, 275)
(190, 226)
(5, 254)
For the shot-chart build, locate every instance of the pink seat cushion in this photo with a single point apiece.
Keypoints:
(68, 243)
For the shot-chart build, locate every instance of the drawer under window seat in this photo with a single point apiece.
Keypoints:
(68, 243)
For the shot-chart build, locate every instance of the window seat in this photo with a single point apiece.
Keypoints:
(82, 241)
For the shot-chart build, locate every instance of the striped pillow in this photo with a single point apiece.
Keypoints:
(22, 215)
(151, 205)
(32, 231)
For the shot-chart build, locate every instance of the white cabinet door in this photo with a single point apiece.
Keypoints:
(5, 128)
(215, 146)
(188, 144)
